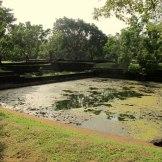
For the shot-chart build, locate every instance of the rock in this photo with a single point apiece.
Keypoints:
(78, 124)
(157, 142)
(32, 109)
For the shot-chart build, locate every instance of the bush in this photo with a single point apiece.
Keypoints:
(134, 68)
(148, 61)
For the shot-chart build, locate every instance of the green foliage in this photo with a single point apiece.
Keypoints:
(135, 43)
(147, 61)
(149, 56)
(124, 10)
(26, 40)
(6, 19)
(76, 40)
(112, 48)
(134, 68)
(142, 39)
(52, 49)
(130, 42)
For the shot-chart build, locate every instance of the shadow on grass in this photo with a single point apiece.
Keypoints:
(2, 145)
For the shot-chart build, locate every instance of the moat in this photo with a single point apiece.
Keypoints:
(121, 107)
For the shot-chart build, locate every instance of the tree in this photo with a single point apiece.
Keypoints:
(53, 48)
(79, 40)
(112, 48)
(152, 47)
(145, 10)
(131, 42)
(26, 40)
(125, 47)
(6, 19)
(141, 40)
(96, 42)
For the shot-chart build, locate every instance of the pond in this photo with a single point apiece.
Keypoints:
(121, 107)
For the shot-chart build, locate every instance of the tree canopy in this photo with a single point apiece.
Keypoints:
(26, 40)
(76, 40)
(145, 10)
(6, 20)
(141, 40)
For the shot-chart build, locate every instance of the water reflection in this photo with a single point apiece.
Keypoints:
(101, 123)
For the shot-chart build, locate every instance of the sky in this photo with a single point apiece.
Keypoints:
(45, 12)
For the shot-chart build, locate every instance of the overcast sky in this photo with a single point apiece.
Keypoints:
(45, 12)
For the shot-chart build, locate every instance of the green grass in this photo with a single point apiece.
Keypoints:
(105, 65)
(26, 139)
(108, 65)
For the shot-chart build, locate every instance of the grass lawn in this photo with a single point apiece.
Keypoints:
(104, 65)
(28, 139)
(108, 65)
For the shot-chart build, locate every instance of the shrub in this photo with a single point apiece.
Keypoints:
(134, 68)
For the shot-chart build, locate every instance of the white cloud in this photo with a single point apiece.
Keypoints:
(45, 12)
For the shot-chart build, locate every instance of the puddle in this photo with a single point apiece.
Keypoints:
(102, 124)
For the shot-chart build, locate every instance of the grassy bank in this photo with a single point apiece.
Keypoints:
(29, 139)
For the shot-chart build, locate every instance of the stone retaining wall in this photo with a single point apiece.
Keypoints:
(16, 81)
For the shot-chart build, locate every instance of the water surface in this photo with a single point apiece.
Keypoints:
(122, 107)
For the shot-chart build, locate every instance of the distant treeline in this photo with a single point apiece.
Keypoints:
(138, 47)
